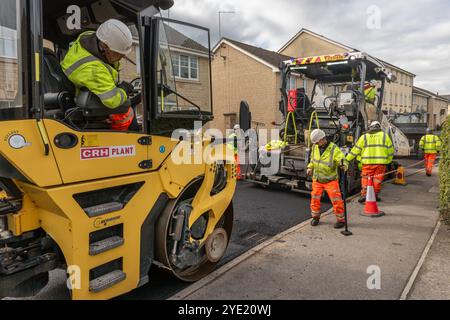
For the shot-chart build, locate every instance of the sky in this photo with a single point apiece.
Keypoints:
(413, 35)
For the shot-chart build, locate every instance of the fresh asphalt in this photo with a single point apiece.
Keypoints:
(259, 215)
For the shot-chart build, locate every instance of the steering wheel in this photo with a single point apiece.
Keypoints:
(137, 85)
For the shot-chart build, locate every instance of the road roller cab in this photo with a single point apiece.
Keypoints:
(102, 204)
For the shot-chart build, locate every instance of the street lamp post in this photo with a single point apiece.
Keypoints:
(220, 24)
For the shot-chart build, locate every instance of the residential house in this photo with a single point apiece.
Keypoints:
(244, 72)
(447, 96)
(9, 67)
(436, 106)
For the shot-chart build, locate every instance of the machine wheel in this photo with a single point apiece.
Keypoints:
(211, 253)
(216, 245)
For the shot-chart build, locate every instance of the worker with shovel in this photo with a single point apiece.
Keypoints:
(326, 159)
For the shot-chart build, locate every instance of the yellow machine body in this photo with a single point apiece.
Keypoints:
(51, 181)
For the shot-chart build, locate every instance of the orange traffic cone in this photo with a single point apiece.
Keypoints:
(371, 210)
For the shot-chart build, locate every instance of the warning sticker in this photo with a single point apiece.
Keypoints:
(107, 152)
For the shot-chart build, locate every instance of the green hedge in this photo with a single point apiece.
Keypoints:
(444, 172)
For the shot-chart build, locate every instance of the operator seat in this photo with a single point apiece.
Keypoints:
(59, 91)
(59, 97)
(303, 103)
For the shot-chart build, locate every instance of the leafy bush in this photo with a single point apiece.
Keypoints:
(444, 172)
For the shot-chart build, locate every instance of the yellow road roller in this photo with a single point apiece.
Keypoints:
(103, 204)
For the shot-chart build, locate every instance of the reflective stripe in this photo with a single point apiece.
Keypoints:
(323, 177)
(358, 147)
(336, 199)
(316, 197)
(129, 117)
(378, 146)
(375, 158)
(83, 61)
(328, 164)
(332, 155)
(384, 140)
(365, 141)
(109, 94)
(78, 64)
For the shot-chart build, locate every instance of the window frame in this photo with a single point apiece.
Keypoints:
(156, 115)
(177, 57)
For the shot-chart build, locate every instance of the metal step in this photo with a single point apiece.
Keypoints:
(107, 281)
(102, 209)
(99, 247)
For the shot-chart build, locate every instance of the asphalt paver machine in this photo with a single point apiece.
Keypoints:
(336, 104)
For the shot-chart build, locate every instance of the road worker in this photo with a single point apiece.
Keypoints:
(326, 159)
(431, 146)
(375, 151)
(93, 62)
(234, 145)
(370, 93)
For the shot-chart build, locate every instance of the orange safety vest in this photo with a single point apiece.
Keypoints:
(121, 122)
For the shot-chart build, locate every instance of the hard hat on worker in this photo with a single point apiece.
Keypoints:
(116, 35)
(375, 125)
(237, 127)
(429, 131)
(317, 135)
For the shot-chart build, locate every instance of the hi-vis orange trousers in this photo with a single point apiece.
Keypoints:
(238, 167)
(377, 173)
(334, 192)
(430, 159)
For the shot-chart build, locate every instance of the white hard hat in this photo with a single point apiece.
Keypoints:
(317, 135)
(237, 127)
(116, 35)
(374, 82)
(375, 124)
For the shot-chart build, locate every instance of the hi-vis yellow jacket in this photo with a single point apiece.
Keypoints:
(431, 144)
(373, 149)
(326, 165)
(87, 71)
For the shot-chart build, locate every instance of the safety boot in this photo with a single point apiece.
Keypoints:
(339, 225)
(315, 222)
(362, 200)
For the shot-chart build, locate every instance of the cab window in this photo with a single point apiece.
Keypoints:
(183, 69)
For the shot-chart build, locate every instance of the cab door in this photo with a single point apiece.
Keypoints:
(85, 156)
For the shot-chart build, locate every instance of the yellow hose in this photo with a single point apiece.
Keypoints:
(310, 126)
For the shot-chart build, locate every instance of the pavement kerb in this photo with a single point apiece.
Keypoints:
(415, 274)
(230, 265)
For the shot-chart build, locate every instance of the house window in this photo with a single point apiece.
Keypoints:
(8, 43)
(185, 67)
(291, 83)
